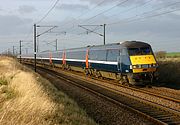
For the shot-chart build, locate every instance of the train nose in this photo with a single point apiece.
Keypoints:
(142, 59)
(143, 63)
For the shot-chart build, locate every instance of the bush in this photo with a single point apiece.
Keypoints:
(169, 73)
(160, 54)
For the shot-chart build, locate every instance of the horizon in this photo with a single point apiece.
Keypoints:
(152, 21)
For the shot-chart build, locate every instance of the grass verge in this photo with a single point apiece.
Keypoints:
(28, 99)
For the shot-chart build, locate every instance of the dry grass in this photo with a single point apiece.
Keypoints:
(28, 99)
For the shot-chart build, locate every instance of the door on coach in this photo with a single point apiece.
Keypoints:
(119, 60)
(123, 61)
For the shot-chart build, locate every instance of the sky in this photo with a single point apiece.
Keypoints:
(153, 21)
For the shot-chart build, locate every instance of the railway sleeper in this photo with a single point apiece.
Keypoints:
(141, 107)
(147, 110)
(162, 115)
(167, 118)
(154, 113)
(174, 123)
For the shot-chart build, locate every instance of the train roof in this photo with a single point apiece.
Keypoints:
(126, 44)
(135, 44)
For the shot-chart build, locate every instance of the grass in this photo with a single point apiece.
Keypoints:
(173, 54)
(28, 99)
(5, 89)
(3, 81)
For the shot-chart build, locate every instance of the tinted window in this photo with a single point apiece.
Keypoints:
(134, 51)
(140, 51)
(76, 55)
(112, 55)
(145, 51)
(98, 55)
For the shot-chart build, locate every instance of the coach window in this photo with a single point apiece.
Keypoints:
(101, 55)
(60, 54)
(112, 54)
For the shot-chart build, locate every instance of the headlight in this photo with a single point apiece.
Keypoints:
(134, 67)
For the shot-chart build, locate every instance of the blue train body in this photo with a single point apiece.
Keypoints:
(119, 59)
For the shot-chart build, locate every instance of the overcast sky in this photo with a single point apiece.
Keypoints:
(154, 21)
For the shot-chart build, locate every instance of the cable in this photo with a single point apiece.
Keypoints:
(120, 3)
(145, 13)
(84, 13)
(48, 12)
(141, 5)
(106, 10)
(125, 11)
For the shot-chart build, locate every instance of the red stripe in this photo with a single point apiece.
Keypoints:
(87, 58)
(50, 58)
(64, 57)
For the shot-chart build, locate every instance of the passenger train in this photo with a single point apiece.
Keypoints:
(131, 62)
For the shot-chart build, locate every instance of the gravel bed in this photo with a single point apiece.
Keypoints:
(101, 110)
(148, 97)
(165, 91)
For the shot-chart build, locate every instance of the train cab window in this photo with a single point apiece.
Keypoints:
(134, 51)
(140, 51)
(145, 50)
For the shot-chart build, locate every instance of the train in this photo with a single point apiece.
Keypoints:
(128, 62)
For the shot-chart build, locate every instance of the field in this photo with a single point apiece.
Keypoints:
(28, 99)
(173, 54)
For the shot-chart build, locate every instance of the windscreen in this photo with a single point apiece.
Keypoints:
(140, 51)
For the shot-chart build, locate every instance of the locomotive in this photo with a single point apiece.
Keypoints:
(131, 62)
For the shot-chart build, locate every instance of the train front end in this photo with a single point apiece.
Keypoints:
(143, 63)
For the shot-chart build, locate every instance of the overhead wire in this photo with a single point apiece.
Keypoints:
(87, 32)
(48, 12)
(130, 9)
(134, 18)
(105, 11)
(82, 14)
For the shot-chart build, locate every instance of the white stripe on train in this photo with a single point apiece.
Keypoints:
(77, 60)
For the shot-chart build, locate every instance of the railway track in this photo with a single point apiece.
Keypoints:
(154, 112)
(174, 96)
(145, 91)
(159, 95)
